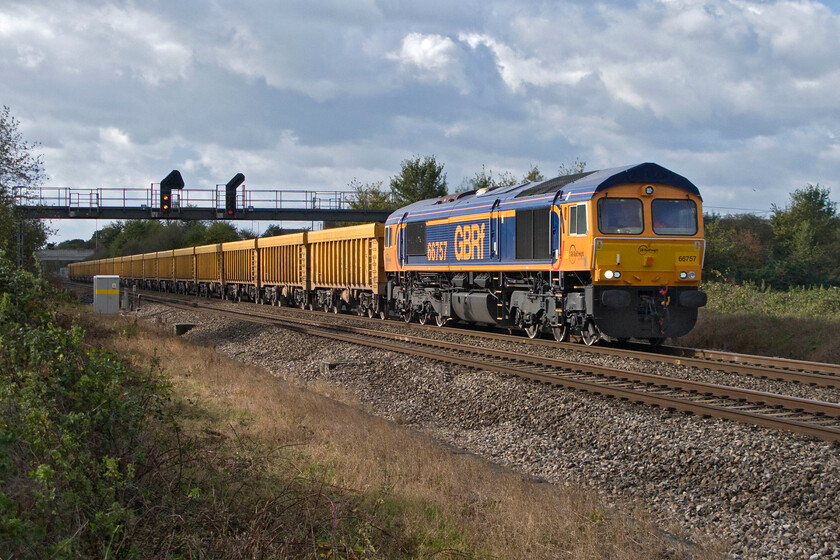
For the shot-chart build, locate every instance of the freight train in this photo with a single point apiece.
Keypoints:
(601, 255)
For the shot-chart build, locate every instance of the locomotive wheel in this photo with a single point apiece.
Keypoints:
(590, 335)
(408, 316)
(560, 332)
(656, 341)
(440, 320)
(532, 330)
(424, 318)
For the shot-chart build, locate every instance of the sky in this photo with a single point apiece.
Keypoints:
(742, 97)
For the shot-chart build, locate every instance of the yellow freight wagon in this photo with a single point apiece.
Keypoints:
(239, 268)
(136, 268)
(149, 268)
(119, 262)
(346, 265)
(106, 267)
(208, 268)
(184, 263)
(165, 270)
(348, 257)
(283, 268)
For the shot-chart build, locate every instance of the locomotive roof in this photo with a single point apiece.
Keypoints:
(579, 187)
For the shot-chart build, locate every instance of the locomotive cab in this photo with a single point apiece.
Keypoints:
(648, 251)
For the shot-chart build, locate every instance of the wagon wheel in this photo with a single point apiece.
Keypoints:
(311, 306)
(326, 307)
(407, 315)
(370, 312)
(532, 330)
(334, 309)
(440, 320)
(383, 314)
(560, 332)
(590, 335)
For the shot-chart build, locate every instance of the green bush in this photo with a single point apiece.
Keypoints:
(73, 424)
(759, 299)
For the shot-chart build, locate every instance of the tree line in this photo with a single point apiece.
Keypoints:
(798, 245)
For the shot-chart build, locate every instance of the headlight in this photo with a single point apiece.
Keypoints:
(617, 274)
(608, 274)
(683, 275)
(692, 275)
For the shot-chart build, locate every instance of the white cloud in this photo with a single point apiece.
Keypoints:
(432, 57)
(75, 39)
(517, 69)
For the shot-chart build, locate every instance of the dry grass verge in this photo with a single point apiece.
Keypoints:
(274, 463)
(816, 339)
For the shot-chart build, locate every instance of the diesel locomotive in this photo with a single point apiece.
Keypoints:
(602, 255)
(614, 254)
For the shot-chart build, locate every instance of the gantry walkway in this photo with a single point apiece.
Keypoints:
(192, 204)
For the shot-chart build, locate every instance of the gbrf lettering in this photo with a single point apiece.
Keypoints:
(469, 242)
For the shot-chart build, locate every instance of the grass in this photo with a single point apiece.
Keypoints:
(276, 469)
(799, 323)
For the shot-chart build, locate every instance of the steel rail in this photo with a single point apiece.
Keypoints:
(781, 369)
(466, 356)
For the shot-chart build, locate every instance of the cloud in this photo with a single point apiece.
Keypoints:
(518, 70)
(734, 94)
(430, 57)
(73, 39)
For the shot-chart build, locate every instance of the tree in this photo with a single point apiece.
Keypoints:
(273, 230)
(419, 179)
(484, 179)
(370, 196)
(221, 232)
(534, 175)
(367, 196)
(807, 233)
(19, 167)
(572, 167)
(739, 248)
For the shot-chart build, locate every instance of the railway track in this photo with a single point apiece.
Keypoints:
(762, 367)
(804, 416)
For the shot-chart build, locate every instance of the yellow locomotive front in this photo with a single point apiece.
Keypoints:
(647, 257)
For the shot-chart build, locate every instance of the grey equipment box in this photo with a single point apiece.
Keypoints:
(106, 294)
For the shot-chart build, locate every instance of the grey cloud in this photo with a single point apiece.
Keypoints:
(735, 95)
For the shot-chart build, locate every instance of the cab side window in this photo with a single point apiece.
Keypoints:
(415, 239)
(387, 237)
(577, 219)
